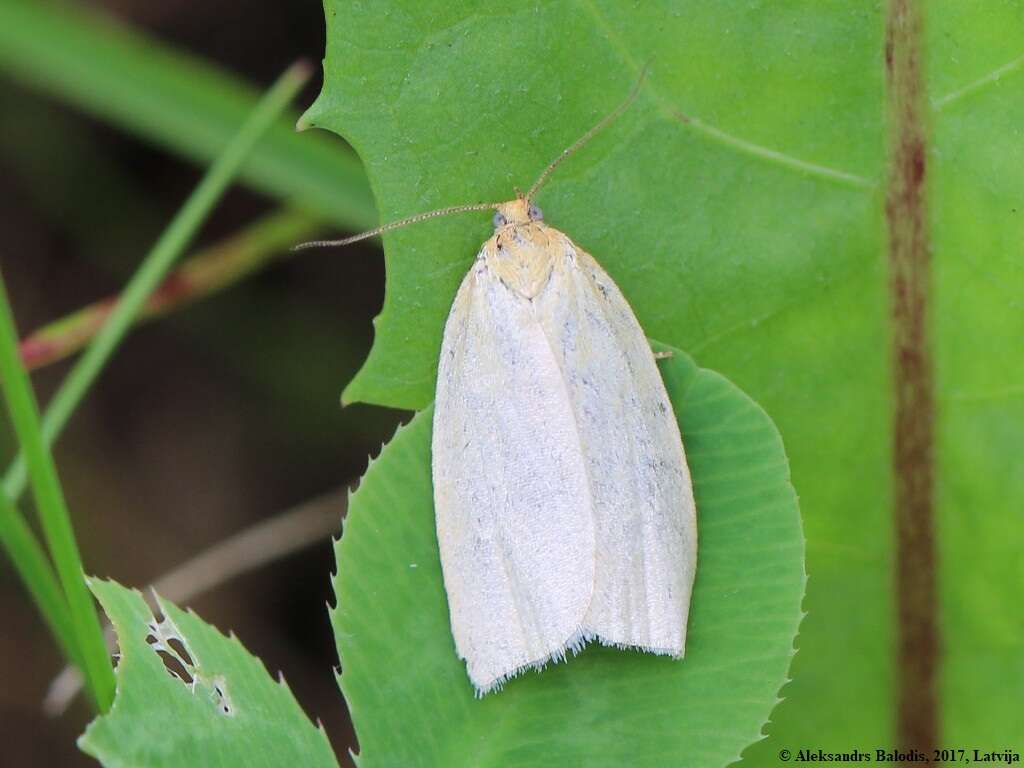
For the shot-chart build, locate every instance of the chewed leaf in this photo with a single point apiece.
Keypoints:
(188, 695)
(604, 707)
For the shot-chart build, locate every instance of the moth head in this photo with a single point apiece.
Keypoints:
(516, 213)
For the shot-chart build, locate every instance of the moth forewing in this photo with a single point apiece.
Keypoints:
(644, 513)
(510, 493)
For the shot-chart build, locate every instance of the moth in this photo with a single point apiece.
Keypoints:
(563, 501)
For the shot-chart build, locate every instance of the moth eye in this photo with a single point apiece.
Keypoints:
(499, 220)
(535, 213)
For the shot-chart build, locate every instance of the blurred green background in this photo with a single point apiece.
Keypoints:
(210, 420)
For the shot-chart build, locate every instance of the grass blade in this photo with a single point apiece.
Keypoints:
(37, 575)
(53, 513)
(176, 101)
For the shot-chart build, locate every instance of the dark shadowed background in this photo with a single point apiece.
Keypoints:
(220, 416)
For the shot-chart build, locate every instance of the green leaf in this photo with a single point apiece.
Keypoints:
(231, 714)
(975, 74)
(410, 698)
(706, 225)
(750, 234)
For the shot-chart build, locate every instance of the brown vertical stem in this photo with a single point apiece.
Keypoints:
(913, 423)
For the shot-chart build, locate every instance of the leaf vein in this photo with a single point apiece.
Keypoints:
(740, 145)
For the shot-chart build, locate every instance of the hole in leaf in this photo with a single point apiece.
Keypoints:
(169, 643)
(166, 640)
(179, 649)
(220, 696)
(176, 669)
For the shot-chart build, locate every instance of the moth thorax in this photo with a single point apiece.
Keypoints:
(523, 257)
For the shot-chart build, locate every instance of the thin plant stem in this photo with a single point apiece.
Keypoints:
(209, 271)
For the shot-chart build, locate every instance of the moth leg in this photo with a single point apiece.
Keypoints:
(661, 355)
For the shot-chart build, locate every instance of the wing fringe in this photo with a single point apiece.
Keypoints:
(575, 643)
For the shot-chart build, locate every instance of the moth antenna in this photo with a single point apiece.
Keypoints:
(603, 123)
(397, 225)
